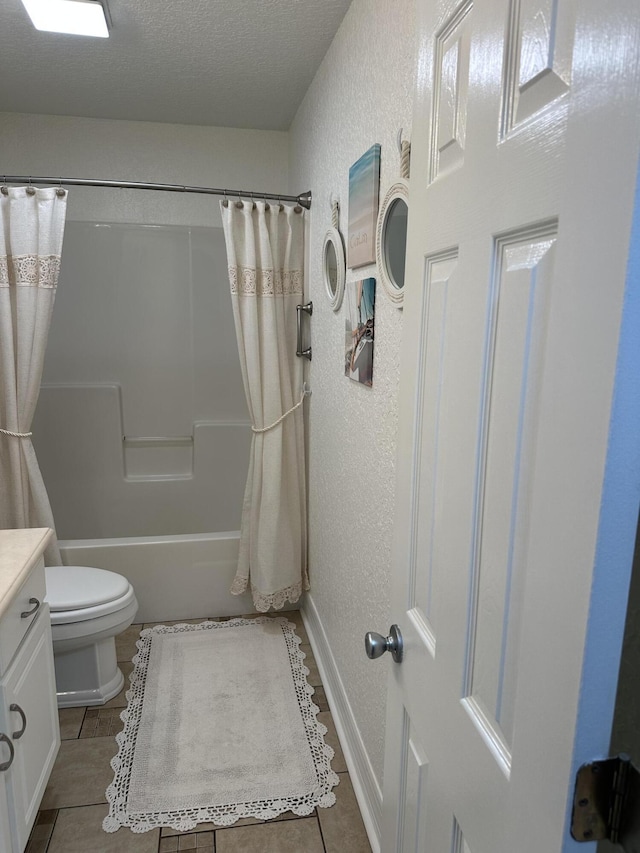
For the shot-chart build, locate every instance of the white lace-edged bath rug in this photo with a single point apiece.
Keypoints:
(219, 726)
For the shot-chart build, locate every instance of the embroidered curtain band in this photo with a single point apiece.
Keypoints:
(248, 281)
(29, 270)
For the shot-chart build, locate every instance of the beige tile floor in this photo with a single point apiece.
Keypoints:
(74, 804)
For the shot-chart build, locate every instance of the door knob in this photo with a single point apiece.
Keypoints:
(376, 645)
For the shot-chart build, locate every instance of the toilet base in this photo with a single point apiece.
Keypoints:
(88, 675)
(80, 698)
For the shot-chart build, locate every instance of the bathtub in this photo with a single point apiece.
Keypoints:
(175, 577)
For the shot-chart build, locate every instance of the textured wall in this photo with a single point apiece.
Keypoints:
(362, 94)
(143, 151)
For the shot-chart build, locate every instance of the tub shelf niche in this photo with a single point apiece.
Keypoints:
(158, 457)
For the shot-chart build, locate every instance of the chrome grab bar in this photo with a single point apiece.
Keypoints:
(308, 308)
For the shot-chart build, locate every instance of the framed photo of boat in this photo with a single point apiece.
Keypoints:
(359, 328)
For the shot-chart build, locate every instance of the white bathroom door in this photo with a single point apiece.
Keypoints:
(516, 516)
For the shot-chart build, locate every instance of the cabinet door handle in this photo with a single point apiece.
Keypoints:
(15, 707)
(26, 613)
(7, 764)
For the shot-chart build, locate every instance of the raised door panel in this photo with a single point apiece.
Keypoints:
(414, 794)
(538, 58)
(30, 684)
(15, 622)
(451, 84)
(519, 297)
(425, 506)
(459, 844)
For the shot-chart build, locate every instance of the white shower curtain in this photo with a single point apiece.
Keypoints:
(32, 223)
(265, 253)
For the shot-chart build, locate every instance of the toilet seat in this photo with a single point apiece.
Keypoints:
(80, 593)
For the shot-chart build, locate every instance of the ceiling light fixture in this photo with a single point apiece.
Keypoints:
(76, 17)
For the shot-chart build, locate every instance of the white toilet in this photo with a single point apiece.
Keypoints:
(89, 607)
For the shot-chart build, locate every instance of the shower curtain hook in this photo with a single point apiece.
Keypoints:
(60, 192)
(30, 189)
(4, 189)
(267, 206)
(239, 202)
(253, 204)
(225, 200)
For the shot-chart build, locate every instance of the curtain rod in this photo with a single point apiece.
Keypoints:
(304, 199)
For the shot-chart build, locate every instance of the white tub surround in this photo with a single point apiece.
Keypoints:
(29, 731)
(142, 426)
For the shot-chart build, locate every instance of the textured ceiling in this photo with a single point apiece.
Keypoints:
(229, 63)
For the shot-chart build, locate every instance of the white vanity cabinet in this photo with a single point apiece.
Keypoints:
(5, 831)
(28, 707)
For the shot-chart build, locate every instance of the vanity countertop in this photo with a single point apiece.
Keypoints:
(19, 552)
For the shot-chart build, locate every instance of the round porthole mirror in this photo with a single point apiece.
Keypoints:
(333, 265)
(391, 240)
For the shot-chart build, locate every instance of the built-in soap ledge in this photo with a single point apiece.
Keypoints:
(158, 457)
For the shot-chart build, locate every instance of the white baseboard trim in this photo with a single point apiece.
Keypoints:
(363, 779)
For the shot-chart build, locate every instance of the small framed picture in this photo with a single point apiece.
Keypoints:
(361, 299)
(364, 187)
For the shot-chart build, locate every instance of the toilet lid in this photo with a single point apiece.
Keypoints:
(75, 587)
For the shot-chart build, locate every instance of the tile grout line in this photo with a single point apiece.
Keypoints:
(53, 826)
(55, 820)
(80, 806)
(324, 846)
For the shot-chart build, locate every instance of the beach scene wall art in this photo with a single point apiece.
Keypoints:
(364, 186)
(361, 299)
